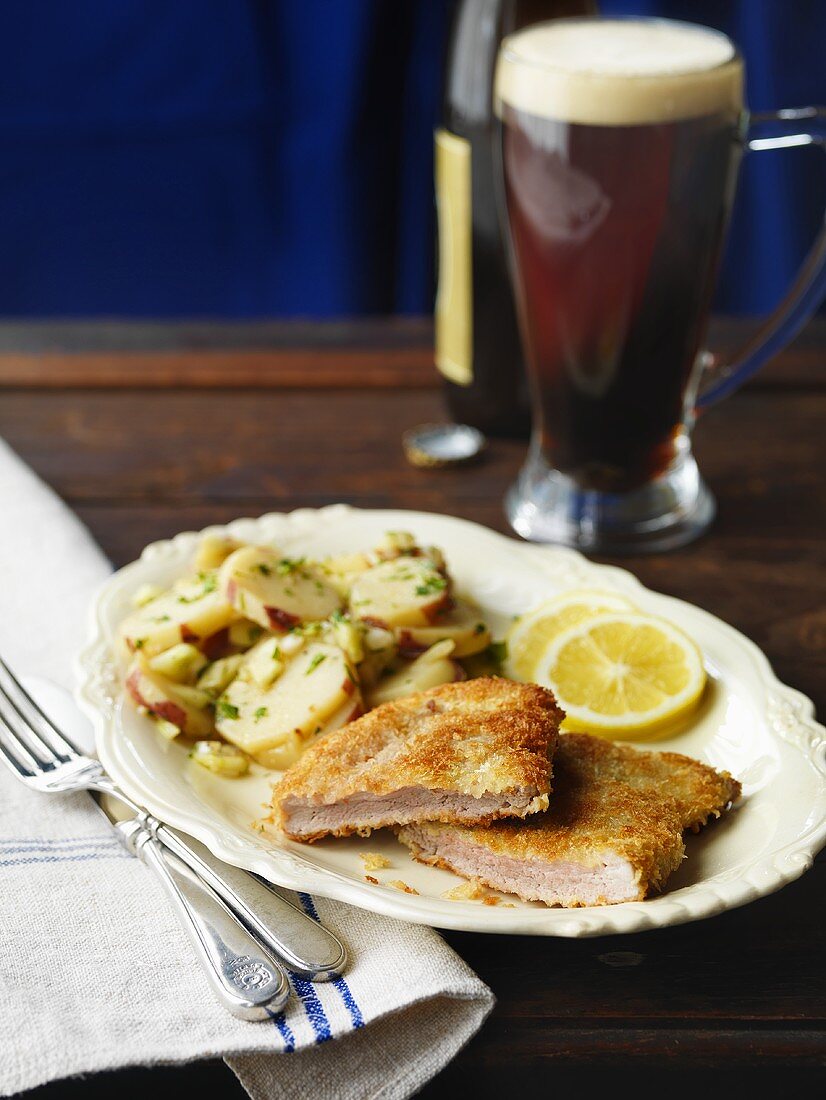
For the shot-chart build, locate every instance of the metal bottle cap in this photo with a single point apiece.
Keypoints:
(435, 445)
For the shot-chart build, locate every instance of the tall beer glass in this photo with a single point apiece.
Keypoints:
(621, 141)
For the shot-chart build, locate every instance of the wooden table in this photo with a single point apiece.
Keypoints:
(149, 429)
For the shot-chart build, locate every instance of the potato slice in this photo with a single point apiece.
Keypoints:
(275, 592)
(314, 684)
(394, 544)
(378, 639)
(213, 550)
(193, 609)
(285, 754)
(352, 709)
(431, 669)
(341, 571)
(402, 592)
(171, 702)
(399, 544)
(146, 594)
(462, 625)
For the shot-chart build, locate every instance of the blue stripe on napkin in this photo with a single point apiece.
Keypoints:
(77, 857)
(280, 1021)
(339, 984)
(34, 848)
(63, 842)
(26, 851)
(313, 1007)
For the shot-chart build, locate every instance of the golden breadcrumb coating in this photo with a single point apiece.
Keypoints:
(374, 861)
(475, 737)
(403, 886)
(466, 891)
(608, 798)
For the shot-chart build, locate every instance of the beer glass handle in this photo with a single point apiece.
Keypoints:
(775, 130)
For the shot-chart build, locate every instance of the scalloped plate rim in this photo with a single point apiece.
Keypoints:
(769, 873)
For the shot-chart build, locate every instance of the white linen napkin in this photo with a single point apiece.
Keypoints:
(96, 973)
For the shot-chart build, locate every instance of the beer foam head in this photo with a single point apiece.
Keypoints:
(618, 72)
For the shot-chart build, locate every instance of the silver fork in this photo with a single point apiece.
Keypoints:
(40, 755)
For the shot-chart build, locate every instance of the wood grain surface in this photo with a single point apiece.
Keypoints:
(180, 437)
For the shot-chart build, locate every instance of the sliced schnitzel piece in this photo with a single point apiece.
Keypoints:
(463, 752)
(613, 831)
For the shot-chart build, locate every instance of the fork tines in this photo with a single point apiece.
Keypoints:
(29, 740)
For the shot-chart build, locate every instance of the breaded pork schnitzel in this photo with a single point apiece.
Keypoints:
(613, 831)
(465, 752)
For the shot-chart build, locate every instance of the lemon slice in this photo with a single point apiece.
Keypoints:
(623, 674)
(529, 636)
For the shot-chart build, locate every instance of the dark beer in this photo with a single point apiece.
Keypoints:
(618, 185)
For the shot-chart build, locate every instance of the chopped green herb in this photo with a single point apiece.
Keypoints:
(316, 661)
(337, 617)
(226, 710)
(290, 591)
(260, 713)
(161, 619)
(263, 568)
(209, 583)
(319, 586)
(351, 676)
(480, 628)
(276, 653)
(433, 584)
(139, 643)
(289, 565)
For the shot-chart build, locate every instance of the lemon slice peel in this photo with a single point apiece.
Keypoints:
(623, 673)
(531, 633)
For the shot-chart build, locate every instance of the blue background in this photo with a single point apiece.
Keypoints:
(252, 158)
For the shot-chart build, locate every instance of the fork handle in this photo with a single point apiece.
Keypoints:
(308, 949)
(246, 983)
(304, 945)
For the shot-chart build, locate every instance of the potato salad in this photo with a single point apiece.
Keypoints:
(255, 654)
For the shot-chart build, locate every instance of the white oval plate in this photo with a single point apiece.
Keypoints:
(750, 724)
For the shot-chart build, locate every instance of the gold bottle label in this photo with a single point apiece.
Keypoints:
(454, 297)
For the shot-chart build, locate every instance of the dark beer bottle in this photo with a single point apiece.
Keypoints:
(477, 341)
